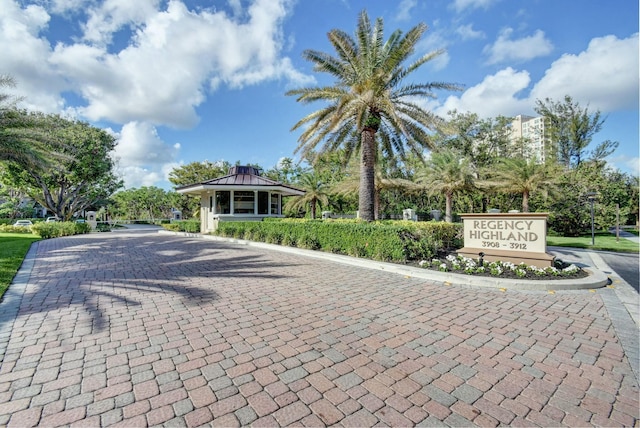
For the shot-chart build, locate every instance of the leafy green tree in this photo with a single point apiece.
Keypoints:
(316, 193)
(369, 99)
(21, 140)
(83, 174)
(192, 173)
(482, 141)
(447, 173)
(285, 171)
(197, 172)
(145, 203)
(571, 129)
(523, 177)
(570, 212)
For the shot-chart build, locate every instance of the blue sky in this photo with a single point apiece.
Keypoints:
(190, 80)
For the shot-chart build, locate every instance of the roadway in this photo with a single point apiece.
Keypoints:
(625, 265)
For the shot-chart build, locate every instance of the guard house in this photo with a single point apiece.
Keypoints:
(242, 195)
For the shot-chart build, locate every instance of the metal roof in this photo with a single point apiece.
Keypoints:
(240, 176)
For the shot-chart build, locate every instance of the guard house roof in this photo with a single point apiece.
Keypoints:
(241, 178)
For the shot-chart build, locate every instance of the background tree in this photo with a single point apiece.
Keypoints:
(368, 99)
(21, 140)
(351, 185)
(81, 177)
(286, 171)
(571, 129)
(197, 172)
(145, 203)
(316, 195)
(192, 173)
(521, 176)
(483, 142)
(447, 173)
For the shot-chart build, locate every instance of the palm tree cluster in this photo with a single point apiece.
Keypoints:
(371, 110)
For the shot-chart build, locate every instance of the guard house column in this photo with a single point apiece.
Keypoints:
(232, 196)
(269, 204)
(213, 208)
(255, 202)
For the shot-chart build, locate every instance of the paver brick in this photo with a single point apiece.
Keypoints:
(160, 415)
(198, 417)
(64, 418)
(291, 413)
(228, 405)
(25, 418)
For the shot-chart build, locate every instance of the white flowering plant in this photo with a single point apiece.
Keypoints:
(459, 264)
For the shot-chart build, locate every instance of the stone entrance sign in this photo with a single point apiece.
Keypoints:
(512, 237)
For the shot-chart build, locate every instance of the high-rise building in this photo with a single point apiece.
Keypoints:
(530, 132)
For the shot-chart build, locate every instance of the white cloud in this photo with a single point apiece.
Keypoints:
(433, 41)
(112, 15)
(404, 9)
(143, 158)
(173, 59)
(495, 95)
(634, 165)
(63, 7)
(468, 33)
(461, 5)
(605, 75)
(520, 50)
(24, 56)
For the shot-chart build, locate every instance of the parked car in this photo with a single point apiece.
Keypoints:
(23, 223)
(52, 219)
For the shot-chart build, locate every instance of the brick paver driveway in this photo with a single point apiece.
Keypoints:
(143, 329)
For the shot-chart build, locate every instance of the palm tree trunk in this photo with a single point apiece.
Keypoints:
(313, 209)
(367, 175)
(525, 202)
(447, 210)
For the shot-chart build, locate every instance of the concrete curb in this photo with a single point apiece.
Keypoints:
(596, 278)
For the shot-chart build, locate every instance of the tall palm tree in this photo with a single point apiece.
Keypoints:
(521, 176)
(369, 98)
(448, 173)
(315, 194)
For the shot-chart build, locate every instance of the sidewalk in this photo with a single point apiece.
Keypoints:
(142, 329)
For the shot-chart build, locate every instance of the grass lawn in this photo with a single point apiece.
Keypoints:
(13, 249)
(603, 241)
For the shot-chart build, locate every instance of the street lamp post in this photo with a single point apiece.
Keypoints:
(592, 197)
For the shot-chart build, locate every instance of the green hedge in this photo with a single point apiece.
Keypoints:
(59, 228)
(397, 241)
(189, 226)
(10, 228)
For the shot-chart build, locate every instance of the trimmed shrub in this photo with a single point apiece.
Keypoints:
(59, 228)
(188, 226)
(397, 241)
(10, 228)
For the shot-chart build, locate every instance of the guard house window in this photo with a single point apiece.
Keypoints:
(243, 202)
(223, 202)
(263, 202)
(275, 204)
(210, 203)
